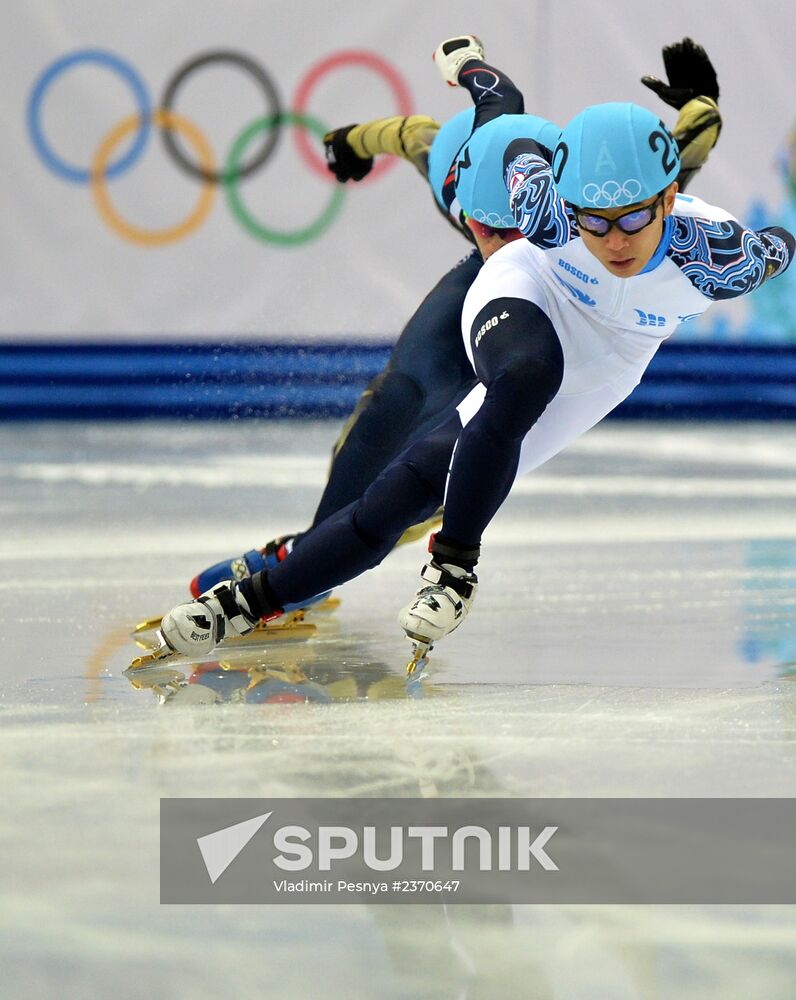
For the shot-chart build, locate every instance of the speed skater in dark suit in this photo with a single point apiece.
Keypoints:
(603, 262)
(429, 371)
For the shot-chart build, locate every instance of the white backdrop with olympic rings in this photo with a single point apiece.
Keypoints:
(89, 261)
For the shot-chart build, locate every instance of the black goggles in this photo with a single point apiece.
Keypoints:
(629, 223)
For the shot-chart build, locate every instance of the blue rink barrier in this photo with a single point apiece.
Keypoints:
(215, 381)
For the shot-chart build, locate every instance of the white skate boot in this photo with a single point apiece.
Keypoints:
(453, 53)
(198, 627)
(437, 608)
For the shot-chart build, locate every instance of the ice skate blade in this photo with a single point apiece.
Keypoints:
(293, 628)
(325, 607)
(289, 631)
(160, 650)
(148, 625)
(420, 651)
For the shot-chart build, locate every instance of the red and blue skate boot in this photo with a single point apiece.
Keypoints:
(242, 567)
(254, 561)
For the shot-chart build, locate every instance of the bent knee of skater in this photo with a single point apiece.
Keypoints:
(401, 496)
(518, 396)
(398, 390)
(393, 408)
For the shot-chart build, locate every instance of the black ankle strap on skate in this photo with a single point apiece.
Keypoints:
(237, 616)
(267, 605)
(447, 550)
(464, 586)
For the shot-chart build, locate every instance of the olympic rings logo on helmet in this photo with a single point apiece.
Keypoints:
(205, 169)
(612, 193)
(494, 219)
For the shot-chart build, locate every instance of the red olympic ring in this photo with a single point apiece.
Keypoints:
(351, 57)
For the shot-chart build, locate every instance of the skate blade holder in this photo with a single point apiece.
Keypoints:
(421, 649)
(325, 607)
(293, 628)
(158, 649)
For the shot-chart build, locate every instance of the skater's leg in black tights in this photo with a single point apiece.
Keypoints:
(358, 537)
(427, 374)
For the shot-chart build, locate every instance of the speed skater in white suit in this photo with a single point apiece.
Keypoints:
(429, 371)
(604, 260)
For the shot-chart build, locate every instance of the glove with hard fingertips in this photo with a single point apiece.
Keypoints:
(341, 159)
(690, 74)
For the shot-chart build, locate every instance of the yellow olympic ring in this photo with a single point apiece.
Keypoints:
(99, 190)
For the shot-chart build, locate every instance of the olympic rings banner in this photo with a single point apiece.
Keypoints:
(165, 172)
(105, 165)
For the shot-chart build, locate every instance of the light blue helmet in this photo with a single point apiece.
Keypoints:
(480, 187)
(612, 155)
(447, 143)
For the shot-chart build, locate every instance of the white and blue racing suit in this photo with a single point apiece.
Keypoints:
(556, 340)
(608, 327)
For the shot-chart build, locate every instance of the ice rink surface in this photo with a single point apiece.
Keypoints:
(634, 635)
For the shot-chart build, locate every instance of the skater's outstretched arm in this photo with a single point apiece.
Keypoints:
(350, 150)
(692, 88)
(461, 64)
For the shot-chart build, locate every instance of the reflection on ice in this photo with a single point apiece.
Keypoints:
(280, 673)
(625, 643)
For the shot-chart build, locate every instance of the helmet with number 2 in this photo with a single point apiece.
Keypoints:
(480, 187)
(613, 155)
(447, 143)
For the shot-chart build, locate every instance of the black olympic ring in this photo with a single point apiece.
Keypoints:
(273, 111)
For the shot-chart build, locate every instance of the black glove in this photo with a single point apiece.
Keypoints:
(690, 72)
(341, 158)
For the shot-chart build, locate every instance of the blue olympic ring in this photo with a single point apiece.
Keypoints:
(82, 175)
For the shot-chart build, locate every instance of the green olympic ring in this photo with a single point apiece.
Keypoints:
(231, 176)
